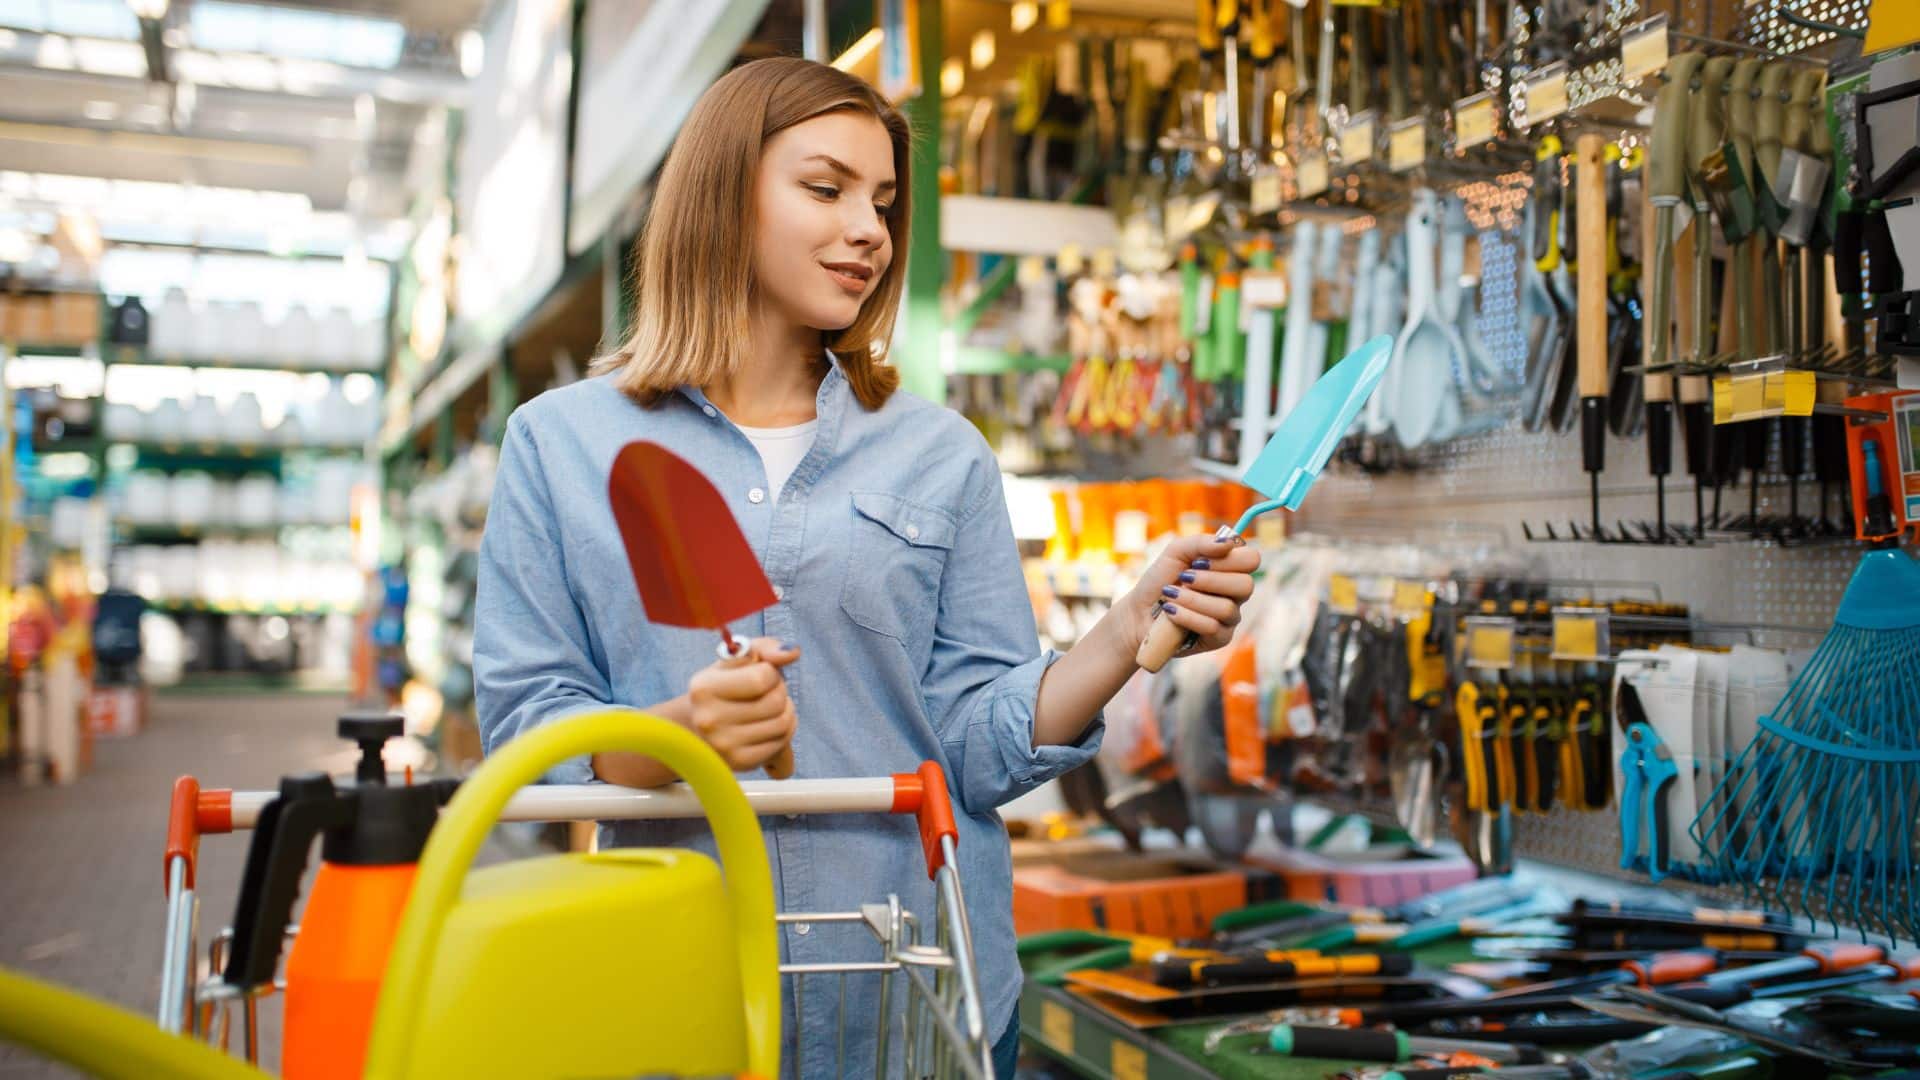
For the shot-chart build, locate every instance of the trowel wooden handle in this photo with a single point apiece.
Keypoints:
(1590, 178)
(1164, 638)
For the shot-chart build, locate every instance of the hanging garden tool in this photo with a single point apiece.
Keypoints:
(1428, 350)
(1820, 803)
(693, 567)
(1291, 461)
(1656, 221)
(1551, 354)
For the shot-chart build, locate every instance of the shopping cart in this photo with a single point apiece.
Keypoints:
(939, 1031)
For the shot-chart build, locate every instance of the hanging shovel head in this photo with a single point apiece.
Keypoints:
(1290, 462)
(691, 564)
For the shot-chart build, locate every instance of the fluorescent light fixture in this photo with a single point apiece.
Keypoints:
(149, 9)
(858, 52)
(54, 54)
(101, 111)
(981, 51)
(99, 56)
(1025, 14)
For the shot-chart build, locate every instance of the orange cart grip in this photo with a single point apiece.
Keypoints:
(183, 829)
(924, 795)
(214, 812)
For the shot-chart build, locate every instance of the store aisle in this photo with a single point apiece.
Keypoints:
(80, 866)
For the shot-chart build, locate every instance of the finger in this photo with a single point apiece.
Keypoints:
(1240, 560)
(775, 652)
(1219, 608)
(1232, 586)
(747, 682)
(722, 715)
(1192, 621)
(771, 730)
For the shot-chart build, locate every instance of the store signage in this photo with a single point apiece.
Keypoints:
(1357, 137)
(1407, 144)
(1643, 49)
(1547, 93)
(1474, 120)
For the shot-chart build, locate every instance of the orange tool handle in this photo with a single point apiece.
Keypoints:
(1674, 967)
(183, 829)
(1838, 958)
(924, 795)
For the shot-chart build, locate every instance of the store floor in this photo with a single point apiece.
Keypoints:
(80, 866)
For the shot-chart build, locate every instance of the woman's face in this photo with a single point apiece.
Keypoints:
(821, 242)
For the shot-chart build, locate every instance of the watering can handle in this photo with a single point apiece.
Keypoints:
(473, 811)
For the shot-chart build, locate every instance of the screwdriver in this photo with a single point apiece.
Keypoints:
(1825, 959)
(1367, 1044)
(1662, 970)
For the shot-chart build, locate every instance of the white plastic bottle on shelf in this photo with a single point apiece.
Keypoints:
(294, 340)
(222, 513)
(242, 423)
(204, 422)
(369, 344)
(191, 499)
(180, 573)
(256, 500)
(146, 498)
(247, 333)
(124, 422)
(168, 421)
(213, 331)
(334, 340)
(163, 650)
(172, 332)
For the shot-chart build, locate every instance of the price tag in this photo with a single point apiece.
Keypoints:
(1356, 139)
(1129, 1061)
(1643, 49)
(1474, 120)
(1547, 93)
(1070, 261)
(1792, 393)
(1410, 598)
(1311, 176)
(1580, 633)
(1490, 641)
(1056, 1026)
(1746, 396)
(1105, 265)
(1265, 198)
(1343, 594)
(1270, 531)
(1407, 144)
(1263, 289)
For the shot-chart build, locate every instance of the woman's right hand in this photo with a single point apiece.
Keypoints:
(741, 708)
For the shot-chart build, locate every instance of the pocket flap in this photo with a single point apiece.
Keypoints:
(915, 523)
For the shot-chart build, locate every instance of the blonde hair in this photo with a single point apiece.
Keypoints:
(694, 283)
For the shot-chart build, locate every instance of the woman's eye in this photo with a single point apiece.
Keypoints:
(823, 191)
(883, 209)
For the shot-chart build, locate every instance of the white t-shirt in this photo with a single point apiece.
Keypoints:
(780, 451)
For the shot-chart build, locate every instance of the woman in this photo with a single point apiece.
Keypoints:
(770, 272)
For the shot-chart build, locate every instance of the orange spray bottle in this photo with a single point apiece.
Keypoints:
(372, 835)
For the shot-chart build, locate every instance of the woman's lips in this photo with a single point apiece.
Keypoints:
(852, 277)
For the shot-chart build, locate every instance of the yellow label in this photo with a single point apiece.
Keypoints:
(1356, 139)
(1722, 399)
(1105, 264)
(1406, 145)
(1547, 94)
(1410, 597)
(1056, 1026)
(1474, 121)
(1796, 391)
(1749, 394)
(1343, 594)
(1070, 260)
(1576, 637)
(1129, 1061)
(1490, 645)
(1265, 198)
(1643, 50)
(1312, 176)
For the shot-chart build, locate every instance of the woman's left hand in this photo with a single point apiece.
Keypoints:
(1198, 582)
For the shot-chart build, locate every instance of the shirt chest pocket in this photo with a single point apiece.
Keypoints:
(896, 551)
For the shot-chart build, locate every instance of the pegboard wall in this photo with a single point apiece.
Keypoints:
(1483, 489)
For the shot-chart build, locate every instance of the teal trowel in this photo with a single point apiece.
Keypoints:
(1291, 462)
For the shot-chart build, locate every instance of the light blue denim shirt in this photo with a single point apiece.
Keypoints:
(893, 556)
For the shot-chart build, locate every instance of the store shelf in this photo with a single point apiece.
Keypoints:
(201, 608)
(253, 682)
(187, 454)
(133, 355)
(33, 349)
(148, 533)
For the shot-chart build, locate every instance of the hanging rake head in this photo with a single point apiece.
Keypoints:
(1820, 808)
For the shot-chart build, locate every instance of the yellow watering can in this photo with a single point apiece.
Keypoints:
(615, 963)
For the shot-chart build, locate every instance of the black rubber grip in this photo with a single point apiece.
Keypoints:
(1659, 438)
(1346, 1044)
(1593, 434)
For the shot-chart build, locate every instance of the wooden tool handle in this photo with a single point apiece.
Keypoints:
(1164, 638)
(1590, 176)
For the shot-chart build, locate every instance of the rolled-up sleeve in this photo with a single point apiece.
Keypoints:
(532, 660)
(983, 679)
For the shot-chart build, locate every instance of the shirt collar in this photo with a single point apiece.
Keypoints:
(830, 385)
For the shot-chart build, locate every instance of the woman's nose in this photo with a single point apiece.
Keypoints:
(867, 228)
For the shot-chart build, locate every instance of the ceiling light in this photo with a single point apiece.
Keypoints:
(981, 52)
(953, 77)
(1025, 14)
(473, 53)
(858, 52)
(54, 54)
(149, 9)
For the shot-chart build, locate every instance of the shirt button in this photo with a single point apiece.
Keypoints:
(756, 496)
(779, 593)
(913, 532)
(803, 929)
(710, 410)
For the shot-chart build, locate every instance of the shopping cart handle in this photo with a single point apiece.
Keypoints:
(923, 793)
(183, 831)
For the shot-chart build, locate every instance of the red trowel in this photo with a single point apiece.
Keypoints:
(691, 564)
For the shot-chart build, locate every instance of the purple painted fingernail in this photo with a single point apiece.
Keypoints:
(1169, 609)
(788, 646)
(1202, 564)
(1170, 592)
(1187, 577)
